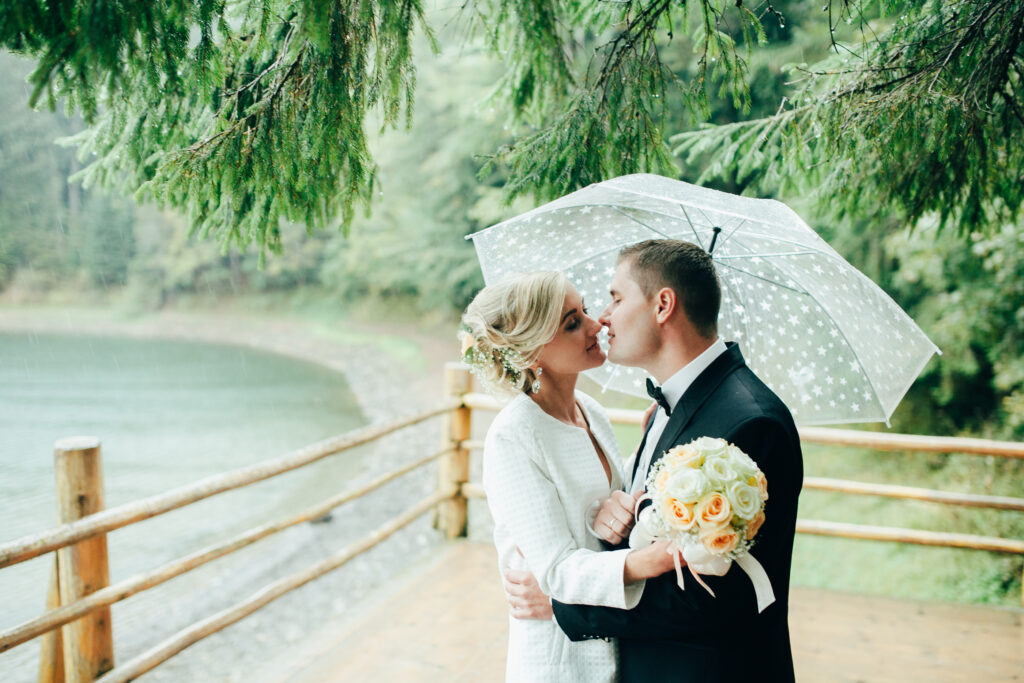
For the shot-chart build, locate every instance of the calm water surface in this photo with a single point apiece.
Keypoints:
(167, 413)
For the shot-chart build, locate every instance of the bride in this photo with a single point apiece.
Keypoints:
(550, 454)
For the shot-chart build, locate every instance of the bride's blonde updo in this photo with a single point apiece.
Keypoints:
(508, 323)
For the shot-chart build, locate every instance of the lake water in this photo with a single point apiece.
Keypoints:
(167, 413)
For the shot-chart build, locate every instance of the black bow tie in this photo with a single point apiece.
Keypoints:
(656, 393)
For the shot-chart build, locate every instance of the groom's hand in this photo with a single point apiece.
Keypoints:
(614, 518)
(524, 596)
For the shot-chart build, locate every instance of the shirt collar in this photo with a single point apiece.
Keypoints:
(676, 385)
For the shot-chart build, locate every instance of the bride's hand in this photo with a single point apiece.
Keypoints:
(614, 518)
(648, 562)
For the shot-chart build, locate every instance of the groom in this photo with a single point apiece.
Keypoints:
(663, 318)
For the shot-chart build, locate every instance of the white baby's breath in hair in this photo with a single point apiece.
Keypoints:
(479, 361)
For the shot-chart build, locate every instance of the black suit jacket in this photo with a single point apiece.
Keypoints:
(687, 635)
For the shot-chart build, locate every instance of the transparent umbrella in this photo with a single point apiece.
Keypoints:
(824, 337)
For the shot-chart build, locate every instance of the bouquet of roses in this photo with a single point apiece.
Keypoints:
(708, 498)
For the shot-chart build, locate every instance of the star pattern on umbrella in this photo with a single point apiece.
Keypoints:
(827, 340)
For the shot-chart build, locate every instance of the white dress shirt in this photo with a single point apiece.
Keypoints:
(673, 388)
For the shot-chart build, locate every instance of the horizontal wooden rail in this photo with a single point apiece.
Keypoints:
(878, 441)
(912, 493)
(875, 533)
(934, 538)
(162, 652)
(34, 545)
(111, 594)
(473, 490)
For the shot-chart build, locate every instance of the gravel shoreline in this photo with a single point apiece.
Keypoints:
(267, 644)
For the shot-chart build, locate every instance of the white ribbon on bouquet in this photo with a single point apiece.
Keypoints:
(699, 560)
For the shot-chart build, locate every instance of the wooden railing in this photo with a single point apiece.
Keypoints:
(76, 630)
(874, 441)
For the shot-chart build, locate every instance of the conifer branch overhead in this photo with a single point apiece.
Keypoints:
(927, 119)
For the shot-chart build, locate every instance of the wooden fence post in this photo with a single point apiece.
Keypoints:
(51, 655)
(88, 642)
(454, 468)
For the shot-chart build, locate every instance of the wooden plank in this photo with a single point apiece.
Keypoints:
(107, 596)
(51, 651)
(879, 441)
(88, 642)
(450, 517)
(201, 629)
(916, 536)
(33, 545)
(912, 493)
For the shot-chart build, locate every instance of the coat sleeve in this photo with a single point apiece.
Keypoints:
(523, 498)
(665, 611)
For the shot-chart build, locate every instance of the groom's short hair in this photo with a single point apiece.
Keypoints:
(686, 269)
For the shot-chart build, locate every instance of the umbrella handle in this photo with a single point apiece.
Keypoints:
(714, 238)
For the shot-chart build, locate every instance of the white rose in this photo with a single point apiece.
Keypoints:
(719, 470)
(687, 485)
(709, 446)
(741, 460)
(745, 499)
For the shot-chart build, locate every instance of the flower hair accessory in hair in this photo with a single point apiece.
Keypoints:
(478, 361)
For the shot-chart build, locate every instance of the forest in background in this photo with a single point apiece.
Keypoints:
(64, 243)
(59, 239)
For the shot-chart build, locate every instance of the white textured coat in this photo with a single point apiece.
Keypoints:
(542, 476)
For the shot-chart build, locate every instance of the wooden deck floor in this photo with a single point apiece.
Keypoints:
(448, 623)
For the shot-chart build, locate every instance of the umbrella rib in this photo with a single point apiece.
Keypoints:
(739, 225)
(764, 279)
(637, 220)
(692, 228)
(780, 253)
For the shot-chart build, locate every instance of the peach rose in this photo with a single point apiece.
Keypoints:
(661, 481)
(719, 540)
(713, 510)
(685, 456)
(762, 484)
(677, 514)
(754, 525)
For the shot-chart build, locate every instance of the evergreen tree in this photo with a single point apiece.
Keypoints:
(918, 111)
(108, 241)
(34, 212)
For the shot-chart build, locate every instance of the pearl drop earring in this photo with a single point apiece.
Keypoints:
(535, 387)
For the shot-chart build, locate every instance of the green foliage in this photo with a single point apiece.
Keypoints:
(606, 102)
(970, 297)
(258, 119)
(109, 242)
(918, 113)
(36, 202)
(253, 113)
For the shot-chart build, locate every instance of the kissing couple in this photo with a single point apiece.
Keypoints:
(585, 606)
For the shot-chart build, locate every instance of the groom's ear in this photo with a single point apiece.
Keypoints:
(665, 301)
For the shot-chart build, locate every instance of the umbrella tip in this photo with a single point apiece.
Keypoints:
(714, 238)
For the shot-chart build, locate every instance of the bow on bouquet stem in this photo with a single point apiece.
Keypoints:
(708, 498)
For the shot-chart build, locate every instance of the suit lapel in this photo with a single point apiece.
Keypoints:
(690, 402)
(640, 450)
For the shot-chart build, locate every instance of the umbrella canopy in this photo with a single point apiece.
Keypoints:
(824, 337)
